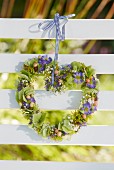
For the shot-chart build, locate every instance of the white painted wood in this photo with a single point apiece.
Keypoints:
(75, 29)
(67, 100)
(43, 165)
(88, 135)
(15, 61)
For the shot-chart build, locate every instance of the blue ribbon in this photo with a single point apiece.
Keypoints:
(49, 25)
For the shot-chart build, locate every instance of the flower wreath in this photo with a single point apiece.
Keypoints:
(65, 76)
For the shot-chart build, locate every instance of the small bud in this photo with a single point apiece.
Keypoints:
(84, 116)
(56, 72)
(59, 134)
(95, 103)
(20, 104)
(56, 130)
(60, 81)
(28, 97)
(32, 104)
(87, 80)
(35, 64)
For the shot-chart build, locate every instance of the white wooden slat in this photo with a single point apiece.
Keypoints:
(15, 61)
(88, 135)
(43, 165)
(68, 100)
(75, 29)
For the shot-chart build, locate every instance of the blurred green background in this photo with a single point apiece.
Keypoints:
(84, 9)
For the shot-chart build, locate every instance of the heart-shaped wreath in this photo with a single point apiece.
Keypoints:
(65, 76)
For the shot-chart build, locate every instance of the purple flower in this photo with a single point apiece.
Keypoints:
(42, 69)
(32, 99)
(49, 60)
(87, 108)
(69, 66)
(43, 60)
(78, 77)
(26, 105)
(66, 67)
(64, 133)
(30, 122)
(48, 84)
(92, 83)
(83, 124)
(64, 76)
(20, 86)
(94, 108)
(62, 68)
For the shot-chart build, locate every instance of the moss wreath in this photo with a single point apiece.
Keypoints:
(66, 76)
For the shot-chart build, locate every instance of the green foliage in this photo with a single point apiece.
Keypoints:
(21, 95)
(77, 66)
(45, 131)
(89, 71)
(39, 118)
(25, 95)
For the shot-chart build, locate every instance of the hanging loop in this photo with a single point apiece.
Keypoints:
(59, 27)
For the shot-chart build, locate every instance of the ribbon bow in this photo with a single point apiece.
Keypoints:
(51, 25)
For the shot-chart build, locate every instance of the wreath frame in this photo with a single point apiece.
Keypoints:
(65, 77)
